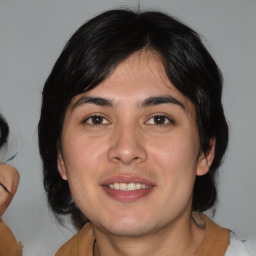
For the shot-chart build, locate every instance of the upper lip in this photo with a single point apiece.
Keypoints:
(126, 179)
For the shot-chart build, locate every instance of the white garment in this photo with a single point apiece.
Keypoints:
(236, 247)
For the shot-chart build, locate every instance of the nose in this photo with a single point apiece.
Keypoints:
(127, 145)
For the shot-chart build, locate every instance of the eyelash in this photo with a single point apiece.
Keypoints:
(99, 117)
(103, 121)
(167, 120)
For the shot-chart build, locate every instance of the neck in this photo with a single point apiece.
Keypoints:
(182, 237)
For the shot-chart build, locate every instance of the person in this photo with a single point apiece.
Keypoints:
(131, 134)
(9, 180)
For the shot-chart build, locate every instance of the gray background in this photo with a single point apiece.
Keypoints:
(32, 35)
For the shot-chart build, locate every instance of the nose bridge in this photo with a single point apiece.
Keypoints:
(127, 143)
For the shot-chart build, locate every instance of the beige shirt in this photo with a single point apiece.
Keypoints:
(8, 244)
(216, 241)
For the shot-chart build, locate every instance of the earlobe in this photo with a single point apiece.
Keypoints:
(205, 160)
(61, 167)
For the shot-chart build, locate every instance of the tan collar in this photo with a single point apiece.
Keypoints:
(215, 242)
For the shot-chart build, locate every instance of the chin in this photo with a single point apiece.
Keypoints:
(127, 227)
(128, 231)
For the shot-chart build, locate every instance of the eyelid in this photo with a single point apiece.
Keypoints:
(85, 120)
(170, 120)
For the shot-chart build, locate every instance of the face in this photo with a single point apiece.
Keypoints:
(131, 150)
(9, 180)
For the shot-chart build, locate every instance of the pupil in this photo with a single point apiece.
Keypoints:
(159, 119)
(97, 120)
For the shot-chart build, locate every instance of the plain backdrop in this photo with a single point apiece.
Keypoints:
(32, 35)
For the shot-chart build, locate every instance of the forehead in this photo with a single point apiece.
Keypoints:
(139, 64)
(140, 76)
(141, 70)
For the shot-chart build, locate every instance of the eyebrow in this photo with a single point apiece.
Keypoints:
(148, 102)
(93, 100)
(162, 99)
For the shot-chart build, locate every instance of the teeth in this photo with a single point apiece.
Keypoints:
(123, 186)
(116, 186)
(131, 186)
(128, 187)
(138, 186)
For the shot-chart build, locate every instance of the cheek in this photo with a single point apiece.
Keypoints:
(83, 157)
(177, 152)
(176, 159)
(5, 200)
(84, 153)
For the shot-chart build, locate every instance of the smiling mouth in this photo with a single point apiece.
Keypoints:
(128, 187)
(127, 192)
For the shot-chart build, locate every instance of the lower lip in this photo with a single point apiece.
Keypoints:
(127, 196)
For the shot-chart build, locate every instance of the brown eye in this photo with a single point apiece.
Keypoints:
(159, 120)
(96, 120)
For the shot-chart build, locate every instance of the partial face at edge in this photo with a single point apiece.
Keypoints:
(135, 131)
(9, 179)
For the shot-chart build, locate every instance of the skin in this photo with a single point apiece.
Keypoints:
(129, 141)
(9, 180)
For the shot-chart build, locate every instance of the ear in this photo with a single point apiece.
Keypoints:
(61, 166)
(205, 160)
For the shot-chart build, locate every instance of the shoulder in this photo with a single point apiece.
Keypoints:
(81, 242)
(216, 239)
(8, 243)
(236, 247)
(69, 248)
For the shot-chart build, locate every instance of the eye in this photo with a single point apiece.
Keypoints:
(96, 120)
(160, 120)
